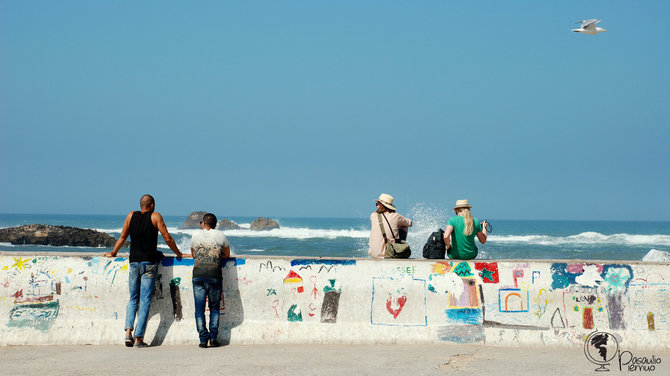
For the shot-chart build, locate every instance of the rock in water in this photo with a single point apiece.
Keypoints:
(262, 224)
(193, 220)
(56, 236)
(226, 224)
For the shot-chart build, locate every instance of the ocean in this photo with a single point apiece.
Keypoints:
(348, 237)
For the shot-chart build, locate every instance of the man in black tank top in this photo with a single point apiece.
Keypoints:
(143, 227)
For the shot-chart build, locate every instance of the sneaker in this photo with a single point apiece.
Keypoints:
(203, 345)
(141, 344)
(214, 343)
(129, 340)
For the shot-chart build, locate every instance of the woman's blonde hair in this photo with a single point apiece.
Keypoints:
(468, 221)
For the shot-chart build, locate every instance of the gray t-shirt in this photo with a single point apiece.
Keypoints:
(208, 246)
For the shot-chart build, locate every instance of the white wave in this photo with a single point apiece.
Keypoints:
(288, 232)
(171, 230)
(108, 230)
(584, 238)
(655, 255)
(185, 244)
(49, 246)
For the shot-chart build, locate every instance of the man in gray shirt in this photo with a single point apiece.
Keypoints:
(209, 247)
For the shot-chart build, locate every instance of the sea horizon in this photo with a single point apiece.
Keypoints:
(342, 217)
(348, 237)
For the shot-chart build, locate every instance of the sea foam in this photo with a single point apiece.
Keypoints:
(655, 255)
(288, 233)
(584, 238)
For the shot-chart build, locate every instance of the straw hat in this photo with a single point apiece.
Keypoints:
(460, 204)
(386, 200)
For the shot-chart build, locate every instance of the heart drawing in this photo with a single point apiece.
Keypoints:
(400, 303)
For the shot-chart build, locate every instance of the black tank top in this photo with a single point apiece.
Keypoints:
(143, 238)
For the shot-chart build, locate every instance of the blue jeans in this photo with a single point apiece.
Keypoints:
(141, 282)
(209, 288)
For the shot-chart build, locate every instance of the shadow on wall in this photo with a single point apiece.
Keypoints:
(232, 311)
(166, 301)
(168, 298)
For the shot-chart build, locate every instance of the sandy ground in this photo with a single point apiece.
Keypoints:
(308, 360)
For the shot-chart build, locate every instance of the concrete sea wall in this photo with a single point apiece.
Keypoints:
(81, 299)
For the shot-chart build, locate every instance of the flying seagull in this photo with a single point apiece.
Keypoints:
(589, 27)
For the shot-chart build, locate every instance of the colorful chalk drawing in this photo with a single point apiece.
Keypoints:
(395, 305)
(543, 302)
(642, 316)
(390, 304)
(331, 302)
(590, 276)
(294, 313)
(290, 300)
(488, 271)
(617, 278)
(459, 281)
(20, 263)
(585, 308)
(35, 306)
(513, 300)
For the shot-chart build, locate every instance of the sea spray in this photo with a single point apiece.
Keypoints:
(425, 220)
(656, 255)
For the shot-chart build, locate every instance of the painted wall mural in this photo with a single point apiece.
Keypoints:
(45, 299)
(398, 302)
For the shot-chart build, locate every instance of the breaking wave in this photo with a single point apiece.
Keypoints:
(284, 232)
(583, 238)
(289, 233)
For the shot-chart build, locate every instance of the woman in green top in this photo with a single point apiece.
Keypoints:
(461, 230)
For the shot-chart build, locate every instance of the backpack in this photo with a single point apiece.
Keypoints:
(435, 247)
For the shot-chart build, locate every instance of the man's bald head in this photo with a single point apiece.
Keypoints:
(147, 202)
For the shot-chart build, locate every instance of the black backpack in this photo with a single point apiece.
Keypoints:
(434, 247)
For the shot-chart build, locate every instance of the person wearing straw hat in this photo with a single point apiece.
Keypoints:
(459, 236)
(392, 223)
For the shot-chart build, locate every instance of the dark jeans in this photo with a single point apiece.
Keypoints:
(210, 289)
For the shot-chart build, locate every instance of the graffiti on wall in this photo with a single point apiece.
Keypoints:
(36, 287)
(391, 303)
(459, 283)
(461, 301)
(32, 292)
(643, 317)
(308, 290)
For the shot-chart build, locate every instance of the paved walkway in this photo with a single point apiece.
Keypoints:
(322, 360)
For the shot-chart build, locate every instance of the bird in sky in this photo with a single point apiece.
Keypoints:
(589, 27)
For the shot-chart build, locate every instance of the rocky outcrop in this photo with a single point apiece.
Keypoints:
(193, 220)
(228, 225)
(263, 224)
(56, 236)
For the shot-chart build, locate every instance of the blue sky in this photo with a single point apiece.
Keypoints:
(314, 108)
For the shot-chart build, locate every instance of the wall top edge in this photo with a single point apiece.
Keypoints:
(272, 257)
